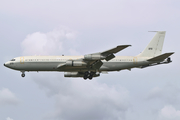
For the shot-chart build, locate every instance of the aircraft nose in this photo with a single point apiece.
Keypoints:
(4, 64)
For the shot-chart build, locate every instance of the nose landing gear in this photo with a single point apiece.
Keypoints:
(23, 74)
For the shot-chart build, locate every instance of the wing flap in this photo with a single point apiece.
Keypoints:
(161, 57)
(97, 64)
(109, 57)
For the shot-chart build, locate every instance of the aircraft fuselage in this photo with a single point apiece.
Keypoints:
(50, 63)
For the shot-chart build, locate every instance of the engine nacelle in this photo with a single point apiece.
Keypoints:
(94, 57)
(75, 63)
(73, 74)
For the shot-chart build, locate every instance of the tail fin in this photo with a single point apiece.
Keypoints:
(154, 48)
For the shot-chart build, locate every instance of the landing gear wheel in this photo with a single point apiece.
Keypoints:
(23, 75)
(85, 77)
(90, 77)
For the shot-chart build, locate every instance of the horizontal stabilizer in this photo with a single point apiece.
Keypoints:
(161, 57)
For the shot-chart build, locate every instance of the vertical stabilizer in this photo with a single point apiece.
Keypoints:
(154, 48)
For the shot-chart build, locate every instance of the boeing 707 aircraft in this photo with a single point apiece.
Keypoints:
(92, 65)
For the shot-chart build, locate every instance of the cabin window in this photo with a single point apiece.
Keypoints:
(13, 60)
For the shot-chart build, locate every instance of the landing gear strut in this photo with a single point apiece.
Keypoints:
(23, 74)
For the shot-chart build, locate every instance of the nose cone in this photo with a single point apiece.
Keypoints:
(6, 64)
(10, 65)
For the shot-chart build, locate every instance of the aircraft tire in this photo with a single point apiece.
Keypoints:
(22, 75)
(90, 77)
(85, 77)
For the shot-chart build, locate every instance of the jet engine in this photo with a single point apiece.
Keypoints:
(73, 74)
(94, 57)
(75, 63)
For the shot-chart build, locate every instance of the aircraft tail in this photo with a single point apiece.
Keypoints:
(154, 48)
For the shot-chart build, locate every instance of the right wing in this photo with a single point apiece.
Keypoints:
(93, 61)
(107, 55)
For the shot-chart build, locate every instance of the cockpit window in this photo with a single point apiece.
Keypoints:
(13, 60)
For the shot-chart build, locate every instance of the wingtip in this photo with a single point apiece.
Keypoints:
(124, 45)
(128, 45)
(171, 53)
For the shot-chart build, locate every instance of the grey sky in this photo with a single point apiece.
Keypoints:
(56, 27)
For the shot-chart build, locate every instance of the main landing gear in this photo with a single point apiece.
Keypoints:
(23, 74)
(88, 75)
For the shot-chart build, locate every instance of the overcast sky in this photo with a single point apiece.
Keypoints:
(56, 27)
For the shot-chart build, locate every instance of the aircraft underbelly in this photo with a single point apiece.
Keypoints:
(116, 66)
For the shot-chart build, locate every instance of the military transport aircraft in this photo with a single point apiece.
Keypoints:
(91, 65)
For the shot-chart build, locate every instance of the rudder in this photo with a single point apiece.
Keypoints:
(154, 48)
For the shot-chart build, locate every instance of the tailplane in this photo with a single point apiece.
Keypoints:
(154, 48)
(161, 57)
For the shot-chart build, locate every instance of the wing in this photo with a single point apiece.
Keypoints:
(107, 55)
(110, 53)
(94, 60)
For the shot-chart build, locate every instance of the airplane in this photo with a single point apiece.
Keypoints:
(92, 65)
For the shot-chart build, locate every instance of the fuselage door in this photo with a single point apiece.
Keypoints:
(22, 60)
(135, 60)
